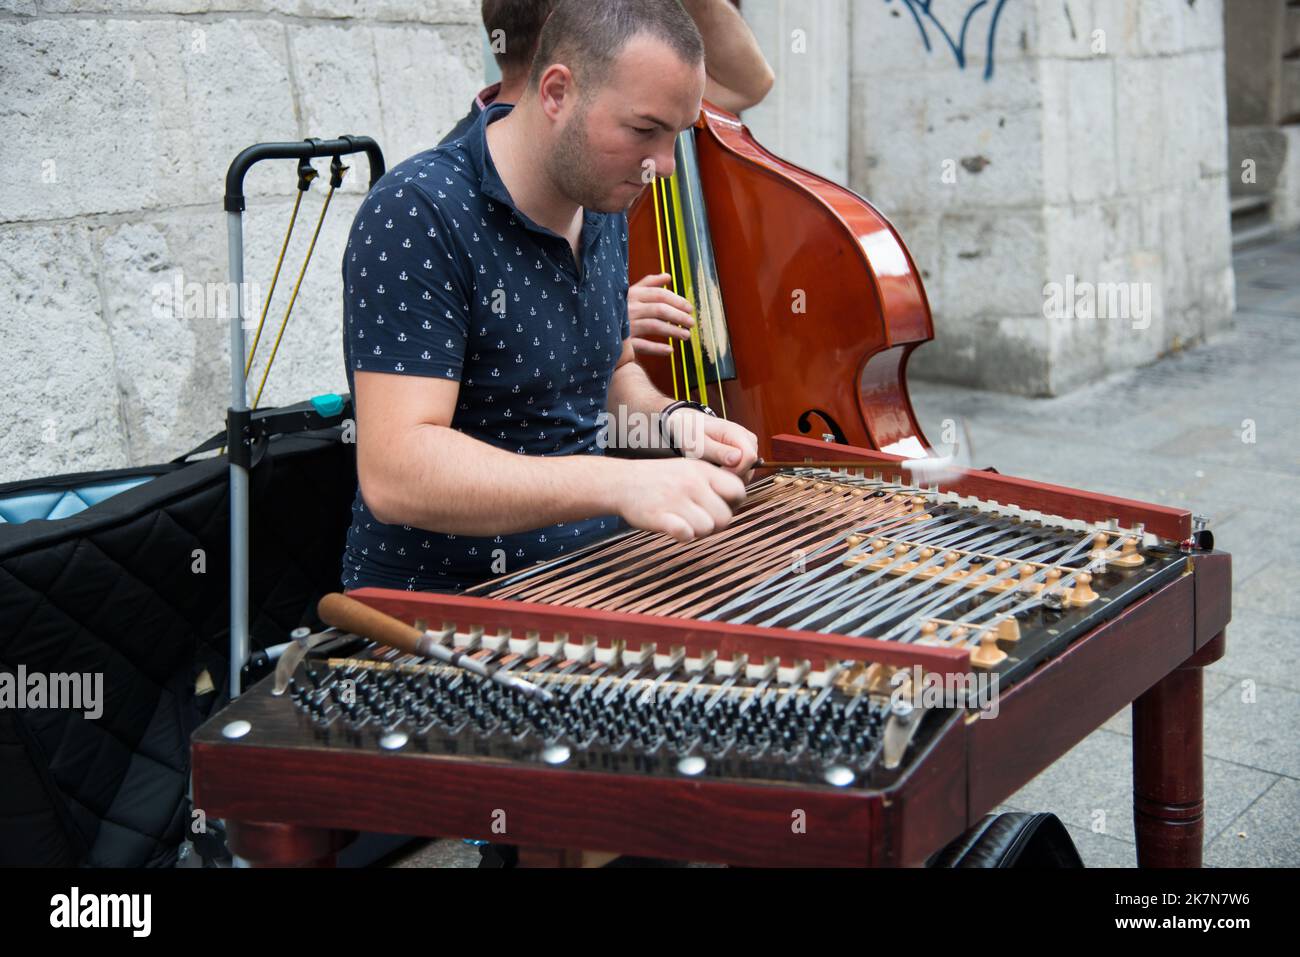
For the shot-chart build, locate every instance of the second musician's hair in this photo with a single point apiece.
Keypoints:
(587, 37)
(519, 23)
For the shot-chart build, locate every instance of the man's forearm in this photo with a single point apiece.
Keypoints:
(634, 405)
(631, 391)
(732, 56)
(443, 480)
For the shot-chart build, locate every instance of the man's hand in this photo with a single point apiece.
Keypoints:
(653, 310)
(726, 444)
(684, 498)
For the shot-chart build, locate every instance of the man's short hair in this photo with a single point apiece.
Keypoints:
(587, 36)
(513, 27)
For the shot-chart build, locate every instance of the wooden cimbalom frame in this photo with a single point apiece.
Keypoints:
(1136, 611)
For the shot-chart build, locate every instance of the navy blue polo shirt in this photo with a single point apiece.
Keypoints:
(444, 277)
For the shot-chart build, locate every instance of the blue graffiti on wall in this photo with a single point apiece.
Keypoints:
(921, 12)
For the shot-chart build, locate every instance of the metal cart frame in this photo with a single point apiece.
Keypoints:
(248, 431)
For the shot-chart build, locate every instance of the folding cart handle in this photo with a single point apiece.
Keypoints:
(300, 149)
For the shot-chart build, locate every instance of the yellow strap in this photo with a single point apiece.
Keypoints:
(292, 299)
(284, 248)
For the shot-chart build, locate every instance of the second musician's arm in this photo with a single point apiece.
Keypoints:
(738, 74)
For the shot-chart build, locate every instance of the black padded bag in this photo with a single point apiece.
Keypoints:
(111, 589)
(1013, 839)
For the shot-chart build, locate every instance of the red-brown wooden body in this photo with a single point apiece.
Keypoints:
(777, 230)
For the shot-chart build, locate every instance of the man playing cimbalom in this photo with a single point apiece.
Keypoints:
(736, 78)
(486, 325)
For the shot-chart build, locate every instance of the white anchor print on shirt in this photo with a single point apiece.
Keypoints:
(496, 349)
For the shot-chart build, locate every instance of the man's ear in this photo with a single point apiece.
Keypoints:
(557, 90)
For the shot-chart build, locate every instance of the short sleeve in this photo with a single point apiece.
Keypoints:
(405, 290)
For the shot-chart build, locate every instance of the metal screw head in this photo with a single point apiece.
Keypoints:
(839, 775)
(393, 741)
(298, 634)
(691, 765)
(556, 753)
(236, 729)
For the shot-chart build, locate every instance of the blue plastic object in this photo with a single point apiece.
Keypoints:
(328, 404)
(61, 503)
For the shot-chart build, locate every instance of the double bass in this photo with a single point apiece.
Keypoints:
(807, 302)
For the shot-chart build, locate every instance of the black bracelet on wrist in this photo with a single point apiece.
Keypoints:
(669, 410)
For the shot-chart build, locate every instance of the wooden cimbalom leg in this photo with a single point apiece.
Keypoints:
(1168, 789)
(853, 672)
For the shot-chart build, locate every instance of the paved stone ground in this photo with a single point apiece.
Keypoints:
(1174, 433)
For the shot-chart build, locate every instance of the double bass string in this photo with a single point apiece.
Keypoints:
(673, 271)
(678, 221)
(659, 235)
(669, 230)
(681, 232)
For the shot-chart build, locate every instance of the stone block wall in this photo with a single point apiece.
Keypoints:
(1262, 61)
(1091, 152)
(118, 121)
(1045, 148)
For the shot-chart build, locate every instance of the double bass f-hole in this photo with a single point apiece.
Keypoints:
(830, 428)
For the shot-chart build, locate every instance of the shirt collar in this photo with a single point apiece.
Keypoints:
(487, 95)
(489, 182)
(491, 185)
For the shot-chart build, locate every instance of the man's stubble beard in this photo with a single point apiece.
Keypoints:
(569, 167)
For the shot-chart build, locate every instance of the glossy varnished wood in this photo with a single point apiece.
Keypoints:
(780, 233)
(1213, 595)
(273, 844)
(1168, 777)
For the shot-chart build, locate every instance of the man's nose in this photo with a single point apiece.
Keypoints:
(665, 160)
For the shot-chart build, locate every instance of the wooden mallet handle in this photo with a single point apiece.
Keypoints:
(351, 615)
